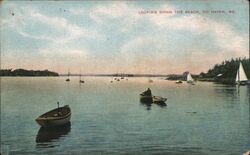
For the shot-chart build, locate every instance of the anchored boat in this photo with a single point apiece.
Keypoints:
(159, 99)
(67, 80)
(241, 78)
(190, 80)
(146, 96)
(178, 82)
(56, 117)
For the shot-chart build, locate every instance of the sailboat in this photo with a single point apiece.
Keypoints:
(241, 78)
(81, 81)
(190, 79)
(68, 77)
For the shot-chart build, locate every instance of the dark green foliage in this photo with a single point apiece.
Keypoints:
(23, 72)
(228, 69)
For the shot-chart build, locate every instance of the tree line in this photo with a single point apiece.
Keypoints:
(23, 72)
(227, 70)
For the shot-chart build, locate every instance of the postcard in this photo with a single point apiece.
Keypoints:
(108, 77)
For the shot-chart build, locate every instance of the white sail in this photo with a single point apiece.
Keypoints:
(241, 75)
(189, 78)
(237, 76)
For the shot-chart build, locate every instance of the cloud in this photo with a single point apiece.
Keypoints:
(156, 49)
(161, 43)
(59, 29)
(118, 11)
(113, 11)
(224, 36)
(59, 53)
(226, 43)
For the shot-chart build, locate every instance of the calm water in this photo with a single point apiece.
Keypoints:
(108, 118)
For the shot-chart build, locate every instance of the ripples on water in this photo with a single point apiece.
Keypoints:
(108, 118)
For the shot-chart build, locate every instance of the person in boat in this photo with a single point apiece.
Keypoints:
(147, 92)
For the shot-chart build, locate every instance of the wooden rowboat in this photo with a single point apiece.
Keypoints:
(56, 117)
(158, 99)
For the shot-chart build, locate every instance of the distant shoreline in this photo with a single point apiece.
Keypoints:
(26, 73)
(164, 77)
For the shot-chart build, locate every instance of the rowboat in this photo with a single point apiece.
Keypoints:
(56, 117)
(159, 99)
(178, 82)
(146, 96)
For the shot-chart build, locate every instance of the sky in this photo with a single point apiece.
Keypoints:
(146, 37)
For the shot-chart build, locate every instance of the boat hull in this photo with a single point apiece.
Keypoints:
(158, 99)
(178, 82)
(146, 99)
(53, 122)
(243, 83)
(55, 117)
(191, 82)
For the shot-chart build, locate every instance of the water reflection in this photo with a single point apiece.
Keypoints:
(146, 100)
(161, 104)
(249, 104)
(226, 90)
(243, 93)
(146, 104)
(47, 135)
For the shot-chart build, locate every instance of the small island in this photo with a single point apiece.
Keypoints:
(23, 72)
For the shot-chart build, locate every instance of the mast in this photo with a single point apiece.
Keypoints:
(80, 75)
(238, 73)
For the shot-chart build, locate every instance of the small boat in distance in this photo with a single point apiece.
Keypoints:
(81, 81)
(68, 77)
(190, 80)
(159, 99)
(150, 81)
(241, 78)
(146, 96)
(178, 82)
(56, 117)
